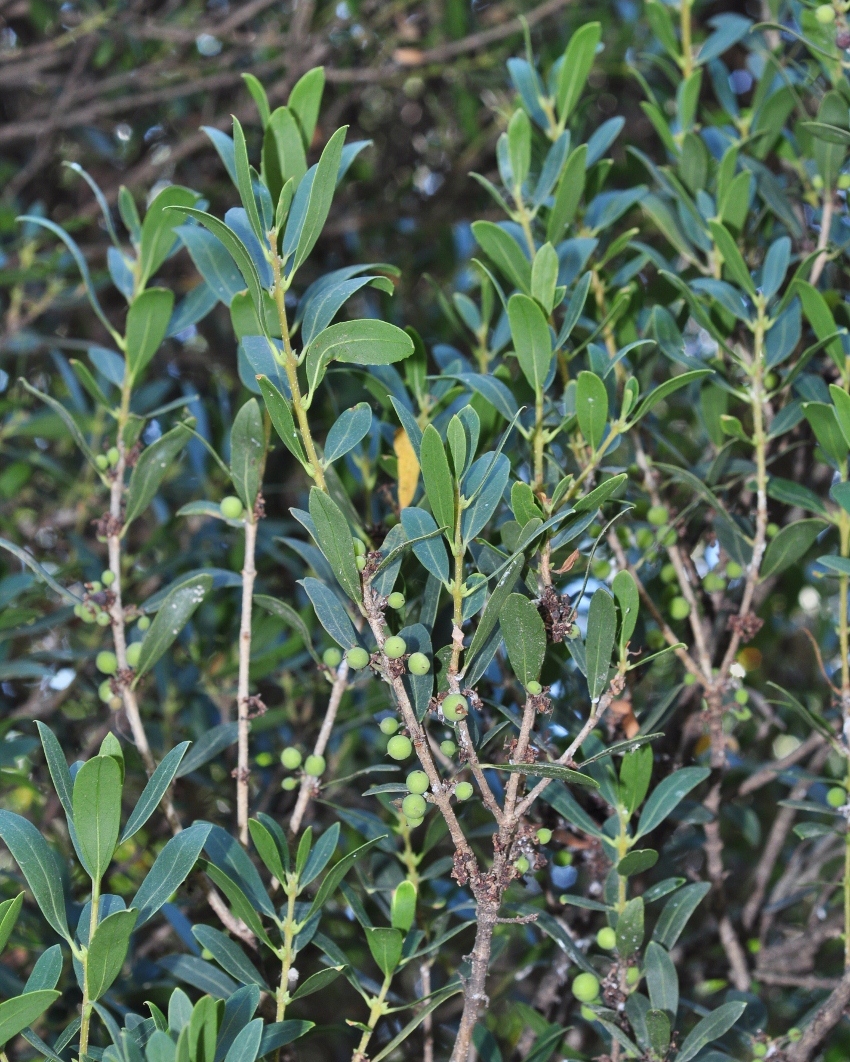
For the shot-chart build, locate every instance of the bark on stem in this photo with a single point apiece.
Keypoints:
(249, 574)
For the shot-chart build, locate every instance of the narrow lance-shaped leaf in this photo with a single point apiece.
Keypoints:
(525, 637)
(247, 452)
(151, 469)
(154, 791)
(336, 542)
(170, 620)
(601, 631)
(170, 869)
(108, 949)
(40, 867)
(97, 811)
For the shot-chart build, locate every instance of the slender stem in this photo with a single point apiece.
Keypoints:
(375, 1013)
(823, 235)
(538, 441)
(243, 773)
(687, 45)
(85, 1016)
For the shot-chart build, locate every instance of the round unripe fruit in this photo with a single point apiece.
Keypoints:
(396, 600)
(230, 507)
(759, 1050)
(522, 865)
(414, 806)
(794, 1035)
(107, 577)
(825, 14)
(314, 766)
(448, 747)
(463, 790)
(588, 1014)
(417, 782)
(102, 462)
(102, 619)
(112, 455)
(606, 938)
(88, 614)
(332, 657)
(395, 647)
(359, 547)
(96, 586)
(413, 823)
(134, 651)
(289, 783)
(836, 797)
(742, 696)
(360, 562)
(357, 658)
(455, 707)
(399, 747)
(291, 758)
(586, 988)
(632, 975)
(418, 664)
(679, 608)
(817, 181)
(544, 835)
(144, 623)
(534, 688)
(104, 691)
(772, 530)
(658, 516)
(389, 725)
(714, 582)
(734, 570)
(844, 181)
(106, 662)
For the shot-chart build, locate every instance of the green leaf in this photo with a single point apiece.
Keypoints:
(247, 452)
(158, 237)
(304, 229)
(661, 978)
(244, 183)
(58, 767)
(437, 476)
(108, 949)
(567, 198)
(519, 146)
(147, 325)
(154, 791)
(421, 1014)
(258, 95)
(576, 66)
(40, 867)
(493, 608)
(173, 615)
(208, 745)
(841, 402)
(330, 612)
(505, 252)
(362, 342)
(627, 596)
(16, 1014)
(281, 417)
(97, 812)
(403, 907)
(532, 339)
(667, 795)
(601, 632)
(824, 423)
(669, 387)
(545, 770)
(599, 495)
(658, 1031)
(306, 99)
(525, 637)
(332, 880)
(170, 869)
(711, 1028)
(267, 848)
(317, 981)
(9, 911)
(630, 928)
(635, 773)
(385, 945)
(637, 862)
(524, 503)
(820, 318)
(79, 439)
(544, 276)
(789, 545)
(290, 617)
(320, 855)
(151, 469)
(591, 408)
(239, 253)
(336, 542)
(732, 259)
(240, 903)
(228, 955)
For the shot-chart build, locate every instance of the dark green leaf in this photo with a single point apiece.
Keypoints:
(334, 538)
(532, 339)
(40, 867)
(676, 912)
(247, 452)
(591, 408)
(790, 544)
(170, 869)
(637, 862)
(147, 325)
(155, 790)
(601, 632)
(16, 1014)
(576, 66)
(108, 949)
(709, 1029)
(667, 795)
(385, 945)
(505, 253)
(228, 955)
(525, 637)
(546, 770)
(661, 979)
(158, 237)
(173, 615)
(97, 812)
(439, 485)
(630, 929)
(151, 469)
(330, 612)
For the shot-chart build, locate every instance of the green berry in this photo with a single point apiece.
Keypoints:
(742, 696)
(96, 587)
(413, 823)
(759, 1050)
(389, 725)
(102, 462)
(658, 515)
(230, 507)
(632, 975)
(289, 783)
(360, 562)
(414, 806)
(713, 582)
(679, 608)
(463, 790)
(734, 570)
(395, 647)
(417, 782)
(134, 651)
(359, 547)
(817, 181)
(836, 797)
(315, 766)
(825, 14)
(586, 988)
(418, 664)
(522, 865)
(794, 1034)
(291, 758)
(332, 657)
(90, 613)
(587, 1013)
(448, 747)
(606, 938)
(357, 658)
(690, 679)
(844, 181)
(106, 662)
(668, 573)
(396, 600)
(534, 688)
(104, 691)
(544, 835)
(399, 747)
(113, 456)
(107, 577)
(102, 619)
(143, 623)
(455, 707)
(772, 531)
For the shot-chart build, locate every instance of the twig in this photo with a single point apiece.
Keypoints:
(822, 1024)
(243, 773)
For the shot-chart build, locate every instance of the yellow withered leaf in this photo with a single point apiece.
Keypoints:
(408, 468)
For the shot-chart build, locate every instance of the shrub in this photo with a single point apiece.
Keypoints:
(512, 572)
